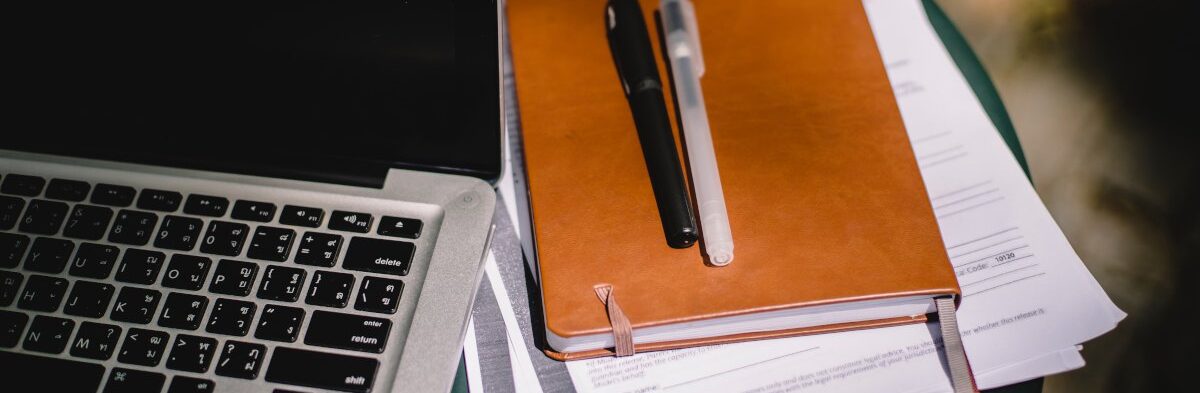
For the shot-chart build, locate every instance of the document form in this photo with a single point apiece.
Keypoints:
(1028, 299)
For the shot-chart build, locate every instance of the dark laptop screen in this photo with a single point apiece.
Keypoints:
(337, 90)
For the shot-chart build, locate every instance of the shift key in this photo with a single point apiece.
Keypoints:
(379, 256)
(346, 331)
(321, 370)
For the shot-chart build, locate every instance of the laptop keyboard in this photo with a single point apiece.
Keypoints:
(187, 290)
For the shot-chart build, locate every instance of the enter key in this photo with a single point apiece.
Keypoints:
(346, 331)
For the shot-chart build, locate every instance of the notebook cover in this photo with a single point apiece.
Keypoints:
(825, 199)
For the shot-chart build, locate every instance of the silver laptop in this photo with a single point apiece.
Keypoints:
(285, 196)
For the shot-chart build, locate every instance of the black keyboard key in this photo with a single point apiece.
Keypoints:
(88, 222)
(178, 233)
(399, 227)
(23, 185)
(330, 289)
(132, 227)
(143, 347)
(301, 216)
(43, 293)
(68, 190)
(224, 238)
(192, 353)
(113, 195)
(186, 272)
(377, 294)
(135, 305)
(253, 211)
(43, 217)
(318, 249)
(49, 255)
(279, 323)
(322, 370)
(281, 283)
(163, 201)
(140, 266)
(95, 341)
(231, 317)
(350, 221)
(204, 205)
(122, 380)
(84, 377)
(182, 384)
(346, 331)
(183, 311)
(10, 283)
(48, 334)
(12, 323)
(233, 277)
(240, 360)
(378, 255)
(12, 248)
(272, 244)
(10, 211)
(94, 260)
(89, 299)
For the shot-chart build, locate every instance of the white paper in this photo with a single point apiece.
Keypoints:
(1028, 299)
(1050, 363)
(524, 376)
(471, 358)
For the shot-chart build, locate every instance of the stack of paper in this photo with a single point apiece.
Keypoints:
(1029, 303)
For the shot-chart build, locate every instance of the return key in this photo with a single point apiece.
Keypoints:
(345, 331)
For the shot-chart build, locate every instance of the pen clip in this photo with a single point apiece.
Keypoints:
(679, 18)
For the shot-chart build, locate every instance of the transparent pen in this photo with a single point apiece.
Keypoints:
(687, 65)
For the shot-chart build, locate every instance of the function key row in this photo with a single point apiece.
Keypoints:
(253, 211)
(22, 185)
(204, 205)
(68, 190)
(169, 202)
(113, 195)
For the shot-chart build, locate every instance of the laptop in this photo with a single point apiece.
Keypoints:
(275, 196)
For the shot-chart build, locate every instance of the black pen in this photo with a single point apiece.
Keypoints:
(634, 57)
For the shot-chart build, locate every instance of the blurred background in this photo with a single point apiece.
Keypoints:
(1104, 99)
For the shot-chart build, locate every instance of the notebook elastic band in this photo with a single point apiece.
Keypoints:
(621, 328)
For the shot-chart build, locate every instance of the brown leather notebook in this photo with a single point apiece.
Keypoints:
(832, 224)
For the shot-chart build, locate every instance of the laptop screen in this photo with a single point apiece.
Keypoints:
(336, 90)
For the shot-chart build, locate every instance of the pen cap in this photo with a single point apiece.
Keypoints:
(683, 36)
(630, 44)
